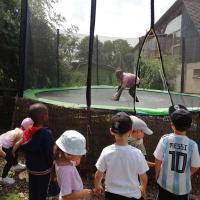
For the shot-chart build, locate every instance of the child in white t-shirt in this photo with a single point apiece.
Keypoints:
(7, 141)
(122, 164)
(70, 147)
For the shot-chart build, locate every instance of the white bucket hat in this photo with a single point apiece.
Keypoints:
(72, 142)
(139, 124)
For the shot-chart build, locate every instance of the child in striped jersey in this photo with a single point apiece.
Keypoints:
(176, 157)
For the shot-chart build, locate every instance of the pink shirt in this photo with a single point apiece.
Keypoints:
(128, 80)
(69, 179)
(8, 139)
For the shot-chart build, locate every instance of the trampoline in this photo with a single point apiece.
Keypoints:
(152, 102)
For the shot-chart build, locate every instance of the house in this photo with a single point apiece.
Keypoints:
(178, 31)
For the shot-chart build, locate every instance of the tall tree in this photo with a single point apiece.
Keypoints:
(122, 51)
(9, 40)
(42, 44)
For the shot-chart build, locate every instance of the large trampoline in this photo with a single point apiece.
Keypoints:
(55, 57)
(152, 102)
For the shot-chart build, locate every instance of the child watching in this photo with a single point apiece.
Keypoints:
(70, 146)
(122, 164)
(139, 128)
(39, 152)
(7, 141)
(176, 157)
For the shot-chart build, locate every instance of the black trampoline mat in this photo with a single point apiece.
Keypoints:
(103, 96)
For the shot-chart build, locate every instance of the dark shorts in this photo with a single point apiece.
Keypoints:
(112, 196)
(165, 195)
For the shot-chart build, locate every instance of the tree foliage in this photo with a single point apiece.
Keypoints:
(151, 73)
(41, 52)
(9, 40)
(115, 53)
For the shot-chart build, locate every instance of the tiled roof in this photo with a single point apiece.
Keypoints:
(193, 8)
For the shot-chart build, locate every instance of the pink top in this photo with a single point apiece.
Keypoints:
(69, 179)
(128, 80)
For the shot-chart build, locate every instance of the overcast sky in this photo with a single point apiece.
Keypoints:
(114, 18)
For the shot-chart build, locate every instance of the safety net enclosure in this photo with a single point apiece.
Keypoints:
(67, 52)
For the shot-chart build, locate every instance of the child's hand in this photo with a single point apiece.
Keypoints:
(143, 190)
(2, 153)
(87, 194)
(98, 190)
(151, 164)
(115, 97)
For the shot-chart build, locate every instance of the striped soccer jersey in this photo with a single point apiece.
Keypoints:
(178, 154)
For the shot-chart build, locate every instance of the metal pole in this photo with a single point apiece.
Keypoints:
(152, 14)
(91, 40)
(183, 64)
(57, 58)
(22, 46)
(97, 58)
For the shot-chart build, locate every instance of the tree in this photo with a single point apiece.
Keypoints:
(151, 72)
(108, 52)
(9, 48)
(42, 44)
(122, 51)
(68, 48)
(69, 43)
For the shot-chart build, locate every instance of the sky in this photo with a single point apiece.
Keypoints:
(114, 18)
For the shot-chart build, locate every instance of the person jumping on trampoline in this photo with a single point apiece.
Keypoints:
(126, 80)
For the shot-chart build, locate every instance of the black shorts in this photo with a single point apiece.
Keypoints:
(112, 196)
(165, 195)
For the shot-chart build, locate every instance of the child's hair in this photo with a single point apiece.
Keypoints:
(118, 72)
(58, 153)
(180, 117)
(37, 112)
(121, 123)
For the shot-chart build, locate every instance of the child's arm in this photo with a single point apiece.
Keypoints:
(97, 182)
(143, 183)
(16, 146)
(151, 164)
(193, 170)
(85, 194)
(2, 153)
(157, 167)
(118, 93)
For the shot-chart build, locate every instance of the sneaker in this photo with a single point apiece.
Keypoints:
(137, 100)
(8, 181)
(18, 167)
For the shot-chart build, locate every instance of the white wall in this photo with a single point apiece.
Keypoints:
(174, 25)
(192, 84)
